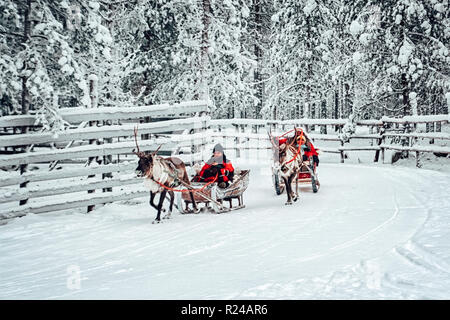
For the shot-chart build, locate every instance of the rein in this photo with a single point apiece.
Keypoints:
(287, 132)
(298, 150)
(186, 190)
(176, 178)
(295, 156)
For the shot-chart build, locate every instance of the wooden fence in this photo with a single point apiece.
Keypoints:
(246, 130)
(102, 139)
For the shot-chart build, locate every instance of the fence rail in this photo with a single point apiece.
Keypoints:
(99, 132)
(78, 115)
(385, 127)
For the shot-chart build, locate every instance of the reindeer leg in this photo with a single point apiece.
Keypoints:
(172, 198)
(152, 197)
(288, 190)
(194, 204)
(292, 191)
(295, 195)
(161, 201)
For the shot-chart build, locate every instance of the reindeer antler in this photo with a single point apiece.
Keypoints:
(271, 139)
(156, 151)
(138, 152)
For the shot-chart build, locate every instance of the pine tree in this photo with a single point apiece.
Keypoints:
(296, 63)
(43, 59)
(413, 58)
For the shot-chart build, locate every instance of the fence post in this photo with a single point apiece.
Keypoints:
(91, 141)
(94, 104)
(236, 142)
(342, 152)
(23, 169)
(107, 159)
(371, 132)
(204, 135)
(407, 141)
(380, 141)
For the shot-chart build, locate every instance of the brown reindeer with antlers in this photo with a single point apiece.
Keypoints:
(161, 176)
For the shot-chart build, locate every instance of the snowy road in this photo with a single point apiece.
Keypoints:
(370, 232)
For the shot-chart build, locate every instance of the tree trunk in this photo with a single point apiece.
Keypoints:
(204, 48)
(323, 115)
(405, 96)
(348, 100)
(258, 54)
(336, 104)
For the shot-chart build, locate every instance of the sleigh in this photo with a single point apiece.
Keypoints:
(210, 197)
(306, 176)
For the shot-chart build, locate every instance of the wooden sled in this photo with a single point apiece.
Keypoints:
(214, 197)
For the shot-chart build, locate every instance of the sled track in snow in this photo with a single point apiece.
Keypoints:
(325, 245)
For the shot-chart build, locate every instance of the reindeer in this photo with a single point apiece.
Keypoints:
(290, 161)
(161, 176)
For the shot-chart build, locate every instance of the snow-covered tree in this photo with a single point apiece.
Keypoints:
(253, 58)
(35, 43)
(192, 50)
(296, 84)
(411, 65)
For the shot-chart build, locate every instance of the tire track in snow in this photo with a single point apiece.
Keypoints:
(413, 252)
(359, 238)
(356, 240)
(422, 258)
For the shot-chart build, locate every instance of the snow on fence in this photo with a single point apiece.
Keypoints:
(379, 130)
(179, 128)
(79, 115)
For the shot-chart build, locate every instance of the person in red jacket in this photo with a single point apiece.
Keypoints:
(218, 165)
(309, 151)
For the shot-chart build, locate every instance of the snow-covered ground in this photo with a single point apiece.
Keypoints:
(372, 231)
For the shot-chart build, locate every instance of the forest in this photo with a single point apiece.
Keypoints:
(267, 59)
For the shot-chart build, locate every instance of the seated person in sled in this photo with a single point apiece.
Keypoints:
(309, 151)
(218, 165)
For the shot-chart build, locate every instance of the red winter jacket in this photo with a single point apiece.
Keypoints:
(312, 151)
(224, 175)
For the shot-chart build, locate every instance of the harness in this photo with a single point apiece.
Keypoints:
(177, 181)
(298, 150)
(295, 156)
(185, 190)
